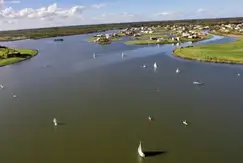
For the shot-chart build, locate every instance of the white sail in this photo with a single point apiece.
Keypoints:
(185, 122)
(155, 65)
(140, 151)
(55, 121)
(197, 83)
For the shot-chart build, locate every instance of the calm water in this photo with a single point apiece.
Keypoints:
(103, 105)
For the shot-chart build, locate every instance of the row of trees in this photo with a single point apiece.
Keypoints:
(73, 30)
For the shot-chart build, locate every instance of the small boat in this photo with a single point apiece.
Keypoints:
(197, 83)
(55, 121)
(122, 55)
(1, 86)
(144, 66)
(177, 70)
(140, 151)
(94, 56)
(150, 118)
(155, 65)
(185, 122)
(14, 96)
(58, 39)
(238, 74)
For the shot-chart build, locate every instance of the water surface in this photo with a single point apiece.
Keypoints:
(103, 105)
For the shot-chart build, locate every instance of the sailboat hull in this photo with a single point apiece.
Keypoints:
(140, 152)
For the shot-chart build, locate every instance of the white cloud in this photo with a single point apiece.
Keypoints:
(200, 10)
(53, 15)
(98, 6)
(164, 13)
(44, 12)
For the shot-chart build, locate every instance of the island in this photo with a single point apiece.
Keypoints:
(168, 34)
(13, 55)
(231, 53)
(105, 38)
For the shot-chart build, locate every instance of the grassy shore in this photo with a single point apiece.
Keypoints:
(230, 34)
(147, 41)
(154, 35)
(92, 39)
(11, 56)
(231, 53)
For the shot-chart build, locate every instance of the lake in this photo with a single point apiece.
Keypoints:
(103, 105)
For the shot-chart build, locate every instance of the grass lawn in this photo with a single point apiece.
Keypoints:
(6, 61)
(146, 42)
(219, 53)
(154, 35)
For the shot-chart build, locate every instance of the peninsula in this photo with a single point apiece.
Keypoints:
(11, 56)
(231, 53)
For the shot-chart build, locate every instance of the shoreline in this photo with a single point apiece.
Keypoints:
(19, 59)
(215, 53)
(153, 42)
(43, 37)
(208, 61)
(226, 35)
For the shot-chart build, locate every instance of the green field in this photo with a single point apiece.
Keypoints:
(147, 41)
(154, 35)
(219, 53)
(5, 59)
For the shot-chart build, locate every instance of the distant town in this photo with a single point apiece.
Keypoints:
(155, 34)
(182, 28)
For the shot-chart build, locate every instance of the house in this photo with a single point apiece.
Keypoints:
(107, 36)
(99, 35)
(185, 34)
(160, 39)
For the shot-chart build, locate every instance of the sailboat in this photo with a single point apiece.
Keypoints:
(185, 122)
(55, 121)
(140, 151)
(197, 83)
(155, 65)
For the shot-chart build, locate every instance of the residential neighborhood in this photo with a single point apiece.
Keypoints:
(156, 34)
(229, 28)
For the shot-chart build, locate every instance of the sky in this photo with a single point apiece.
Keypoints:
(25, 14)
